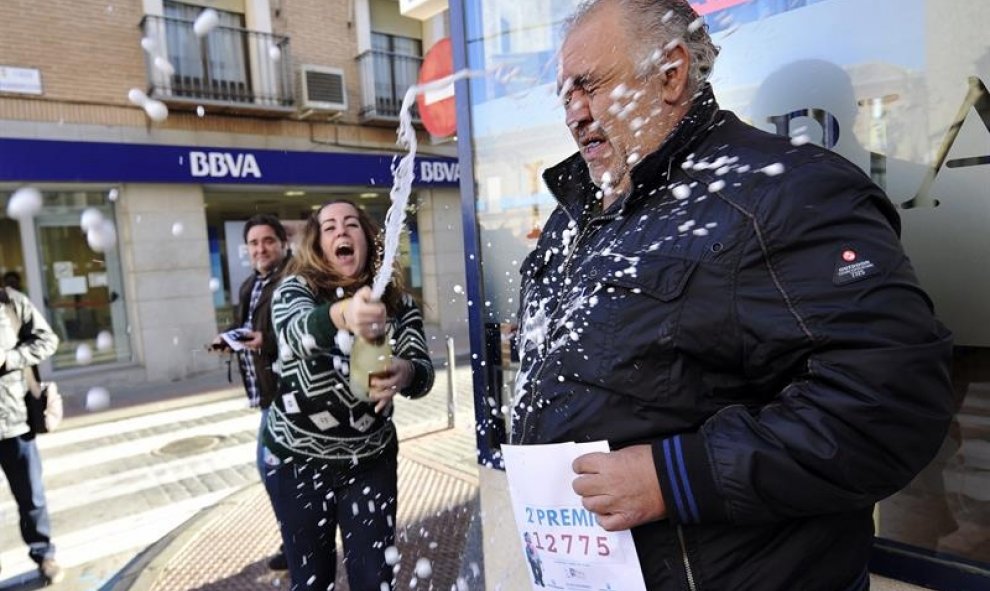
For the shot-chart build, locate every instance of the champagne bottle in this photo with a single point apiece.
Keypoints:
(368, 360)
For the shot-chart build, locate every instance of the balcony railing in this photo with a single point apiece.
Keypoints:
(385, 77)
(228, 66)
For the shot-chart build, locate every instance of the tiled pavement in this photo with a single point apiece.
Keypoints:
(225, 547)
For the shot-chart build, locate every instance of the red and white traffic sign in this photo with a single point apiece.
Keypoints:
(436, 107)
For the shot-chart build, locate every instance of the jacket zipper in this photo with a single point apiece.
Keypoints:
(565, 269)
(687, 561)
(577, 241)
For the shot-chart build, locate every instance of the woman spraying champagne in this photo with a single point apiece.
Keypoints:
(331, 452)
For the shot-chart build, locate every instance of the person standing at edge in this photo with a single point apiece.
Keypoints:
(25, 341)
(12, 279)
(332, 456)
(733, 313)
(268, 247)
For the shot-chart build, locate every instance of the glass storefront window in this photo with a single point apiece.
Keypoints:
(898, 87)
(82, 288)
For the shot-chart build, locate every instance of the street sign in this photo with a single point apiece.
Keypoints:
(436, 107)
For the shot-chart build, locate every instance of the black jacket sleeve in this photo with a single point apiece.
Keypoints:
(833, 314)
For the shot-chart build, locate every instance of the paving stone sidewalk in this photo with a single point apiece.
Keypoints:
(226, 547)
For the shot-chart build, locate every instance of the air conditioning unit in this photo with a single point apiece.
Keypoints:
(322, 88)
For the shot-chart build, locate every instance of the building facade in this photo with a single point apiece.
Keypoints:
(280, 107)
(898, 87)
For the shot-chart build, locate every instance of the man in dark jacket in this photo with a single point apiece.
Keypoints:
(268, 247)
(732, 312)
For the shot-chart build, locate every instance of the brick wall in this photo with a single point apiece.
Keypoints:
(89, 55)
(321, 32)
(87, 50)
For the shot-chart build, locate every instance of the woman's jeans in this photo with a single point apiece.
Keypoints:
(21, 464)
(260, 453)
(311, 499)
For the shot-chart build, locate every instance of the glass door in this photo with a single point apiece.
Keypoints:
(11, 257)
(82, 292)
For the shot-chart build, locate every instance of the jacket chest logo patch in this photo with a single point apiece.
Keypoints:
(852, 266)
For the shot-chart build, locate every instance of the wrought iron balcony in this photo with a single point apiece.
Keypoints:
(385, 78)
(229, 66)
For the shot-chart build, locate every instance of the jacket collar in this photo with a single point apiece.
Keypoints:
(571, 184)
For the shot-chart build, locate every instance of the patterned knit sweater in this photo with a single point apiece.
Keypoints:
(315, 414)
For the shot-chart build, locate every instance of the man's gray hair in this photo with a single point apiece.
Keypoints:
(654, 24)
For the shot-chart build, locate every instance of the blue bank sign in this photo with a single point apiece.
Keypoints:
(24, 160)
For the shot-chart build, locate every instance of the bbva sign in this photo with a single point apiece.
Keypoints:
(223, 165)
(438, 172)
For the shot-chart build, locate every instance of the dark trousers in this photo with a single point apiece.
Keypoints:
(260, 453)
(311, 499)
(21, 464)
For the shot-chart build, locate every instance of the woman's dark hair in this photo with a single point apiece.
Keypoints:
(311, 265)
(266, 219)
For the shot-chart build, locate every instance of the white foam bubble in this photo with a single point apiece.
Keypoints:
(97, 398)
(90, 218)
(24, 203)
(156, 110)
(84, 354)
(424, 568)
(206, 22)
(137, 97)
(392, 556)
(773, 169)
(104, 341)
(345, 341)
(164, 66)
(103, 236)
(618, 92)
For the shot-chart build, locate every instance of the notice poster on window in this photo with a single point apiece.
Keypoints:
(62, 269)
(71, 286)
(97, 279)
(562, 543)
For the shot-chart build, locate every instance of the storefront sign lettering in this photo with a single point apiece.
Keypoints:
(978, 99)
(223, 164)
(430, 172)
(31, 160)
